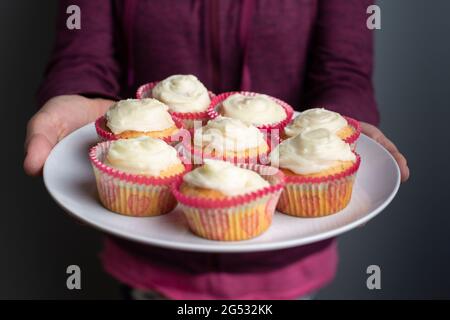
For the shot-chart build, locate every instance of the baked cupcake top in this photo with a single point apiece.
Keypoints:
(182, 93)
(316, 118)
(311, 152)
(226, 178)
(227, 134)
(142, 156)
(258, 109)
(143, 115)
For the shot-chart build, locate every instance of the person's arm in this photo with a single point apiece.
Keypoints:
(82, 65)
(340, 66)
(83, 61)
(339, 73)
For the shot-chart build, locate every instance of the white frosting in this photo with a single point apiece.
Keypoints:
(227, 134)
(226, 178)
(258, 110)
(144, 156)
(311, 152)
(315, 119)
(182, 93)
(142, 115)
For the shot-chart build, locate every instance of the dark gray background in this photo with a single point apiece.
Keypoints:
(410, 241)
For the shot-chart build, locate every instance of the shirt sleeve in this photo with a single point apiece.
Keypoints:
(339, 73)
(84, 61)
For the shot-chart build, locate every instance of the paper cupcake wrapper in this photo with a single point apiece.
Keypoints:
(104, 134)
(128, 194)
(352, 140)
(268, 128)
(197, 155)
(234, 218)
(187, 118)
(317, 197)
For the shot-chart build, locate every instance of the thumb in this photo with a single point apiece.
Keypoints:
(38, 149)
(42, 135)
(52, 123)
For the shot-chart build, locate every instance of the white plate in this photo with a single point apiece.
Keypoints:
(69, 179)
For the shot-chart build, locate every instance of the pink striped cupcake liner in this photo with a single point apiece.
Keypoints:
(129, 194)
(356, 126)
(309, 197)
(187, 118)
(198, 154)
(233, 218)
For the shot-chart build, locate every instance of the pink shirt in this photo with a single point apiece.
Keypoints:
(281, 274)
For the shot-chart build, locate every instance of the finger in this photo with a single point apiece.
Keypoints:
(38, 149)
(42, 135)
(399, 158)
(388, 144)
(403, 165)
(370, 130)
(45, 124)
(379, 137)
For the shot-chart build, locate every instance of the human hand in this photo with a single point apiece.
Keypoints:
(56, 119)
(376, 134)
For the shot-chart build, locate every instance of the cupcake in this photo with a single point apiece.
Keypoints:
(264, 112)
(345, 128)
(187, 98)
(225, 202)
(228, 139)
(134, 118)
(320, 169)
(134, 175)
